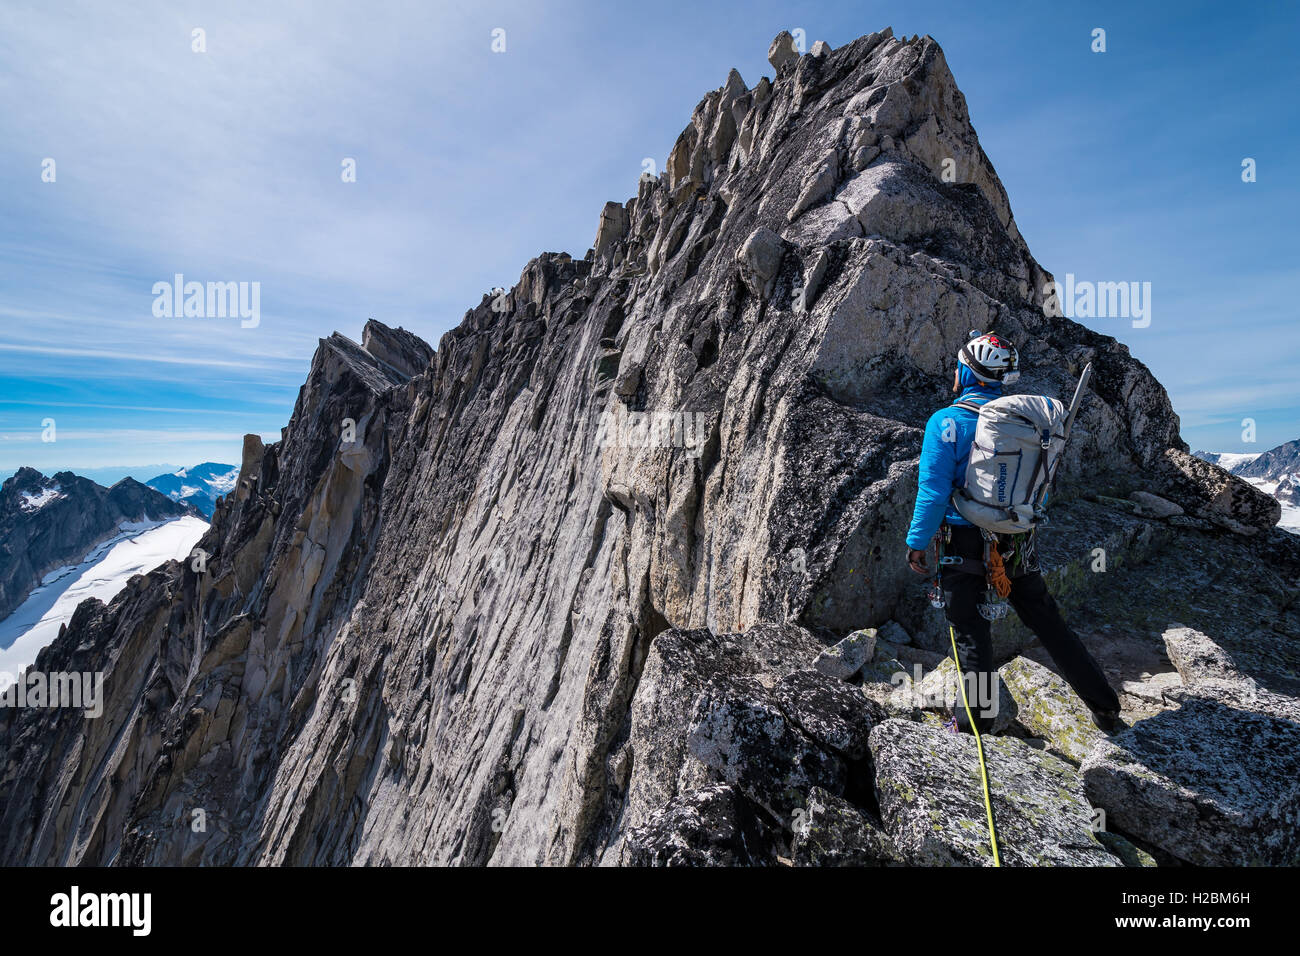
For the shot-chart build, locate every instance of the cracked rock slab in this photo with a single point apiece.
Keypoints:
(835, 714)
(1047, 707)
(739, 731)
(1209, 783)
(931, 800)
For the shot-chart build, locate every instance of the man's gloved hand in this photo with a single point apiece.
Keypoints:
(916, 561)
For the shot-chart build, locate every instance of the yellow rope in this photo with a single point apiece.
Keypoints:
(979, 745)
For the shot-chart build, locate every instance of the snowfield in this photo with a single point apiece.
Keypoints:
(1229, 460)
(138, 548)
(1290, 519)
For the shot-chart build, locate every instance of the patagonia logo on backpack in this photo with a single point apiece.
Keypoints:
(1018, 439)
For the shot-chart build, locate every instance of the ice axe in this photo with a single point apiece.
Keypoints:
(1084, 376)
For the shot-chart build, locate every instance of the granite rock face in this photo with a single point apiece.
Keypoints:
(712, 826)
(753, 743)
(554, 592)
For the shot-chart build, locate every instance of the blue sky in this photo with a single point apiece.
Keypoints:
(225, 166)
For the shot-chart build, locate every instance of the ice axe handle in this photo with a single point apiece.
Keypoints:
(1069, 425)
(1078, 398)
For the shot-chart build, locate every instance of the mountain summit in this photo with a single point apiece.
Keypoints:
(566, 590)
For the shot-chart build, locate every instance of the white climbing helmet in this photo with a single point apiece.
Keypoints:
(991, 358)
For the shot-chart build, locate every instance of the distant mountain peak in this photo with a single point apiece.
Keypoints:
(1274, 464)
(198, 485)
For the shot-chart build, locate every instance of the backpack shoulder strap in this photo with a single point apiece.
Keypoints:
(969, 406)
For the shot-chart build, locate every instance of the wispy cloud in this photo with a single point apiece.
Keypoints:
(109, 356)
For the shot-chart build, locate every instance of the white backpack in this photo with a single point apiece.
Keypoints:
(1018, 444)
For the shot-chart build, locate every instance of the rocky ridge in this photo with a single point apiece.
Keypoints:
(559, 592)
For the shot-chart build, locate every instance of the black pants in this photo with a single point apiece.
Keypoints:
(1034, 604)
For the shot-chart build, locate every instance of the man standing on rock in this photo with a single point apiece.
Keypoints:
(984, 364)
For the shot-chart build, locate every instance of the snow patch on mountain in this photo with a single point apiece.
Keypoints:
(35, 502)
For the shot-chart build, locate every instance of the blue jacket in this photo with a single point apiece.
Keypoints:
(944, 452)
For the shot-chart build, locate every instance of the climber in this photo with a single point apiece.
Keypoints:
(984, 365)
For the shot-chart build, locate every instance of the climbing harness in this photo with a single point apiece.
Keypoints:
(979, 747)
(995, 605)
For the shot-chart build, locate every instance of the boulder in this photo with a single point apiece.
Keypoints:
(892, 632)
(680, 664)
(1207, 670)
(1196, 657)
(1207, 491)
(830, 831)
(849, 656)
(834, 714)
(1153, 506)
(782, 51)
(1209, 783)
(931, 800)
(1047, 707)
(739, 731)
(712, 826)
(760, 261)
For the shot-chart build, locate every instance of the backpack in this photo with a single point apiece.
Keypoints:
(1018, 443)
